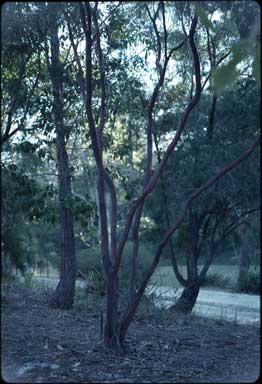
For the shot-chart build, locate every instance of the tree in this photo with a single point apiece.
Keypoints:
(20, 68)
(210, 220)
(102, 92)
(64, 294)
(116, 325)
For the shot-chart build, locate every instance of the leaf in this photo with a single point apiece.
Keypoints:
(241, 50)
(225, 75)
(203, 17)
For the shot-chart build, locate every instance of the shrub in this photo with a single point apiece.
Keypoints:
(216, 280)
(89, 262)
(249, 283)
(7, 278)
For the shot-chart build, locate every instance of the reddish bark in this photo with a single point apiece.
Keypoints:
(115, 327)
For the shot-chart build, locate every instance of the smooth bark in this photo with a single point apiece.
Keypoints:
(64, 295)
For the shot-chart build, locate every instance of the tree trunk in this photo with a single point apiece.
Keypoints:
(64, 294)
(111, 328)
(187, 300)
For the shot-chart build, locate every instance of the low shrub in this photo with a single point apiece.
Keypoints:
(249, 283)
(216, 280)
(8, 278)
(89, 262)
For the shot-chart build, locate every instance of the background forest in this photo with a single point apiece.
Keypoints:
(130, 142)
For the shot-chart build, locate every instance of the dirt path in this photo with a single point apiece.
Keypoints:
(40, 345)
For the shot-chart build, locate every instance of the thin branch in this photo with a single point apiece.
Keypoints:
(108, 179)
(165, 30)
(80, 74)
(8, 133)
(102, 77)
(85, 15)
(151, 184)
(136, 299)
(153, 20)
(148, 171)
(210, 73)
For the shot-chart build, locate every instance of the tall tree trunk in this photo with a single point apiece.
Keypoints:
(64, 294)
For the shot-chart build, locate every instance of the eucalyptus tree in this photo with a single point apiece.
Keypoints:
(20, 67)
(121, 97)
(92, 19)
(64, 294)
(35, 112)
(234, 201)
(219, 45)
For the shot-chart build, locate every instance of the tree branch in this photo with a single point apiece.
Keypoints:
(136, 298)
(151, 184)
(85, 14)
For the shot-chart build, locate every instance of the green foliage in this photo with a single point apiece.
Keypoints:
(202, 15)
(7, 278)
(183, 236)
(226, 75)
(29, 172)
(216, 280)
(13, 247)
(89, 262)
(250, 283)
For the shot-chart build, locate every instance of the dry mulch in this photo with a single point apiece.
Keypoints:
(42, 345)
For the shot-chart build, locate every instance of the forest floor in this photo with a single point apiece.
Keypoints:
(42, 345)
